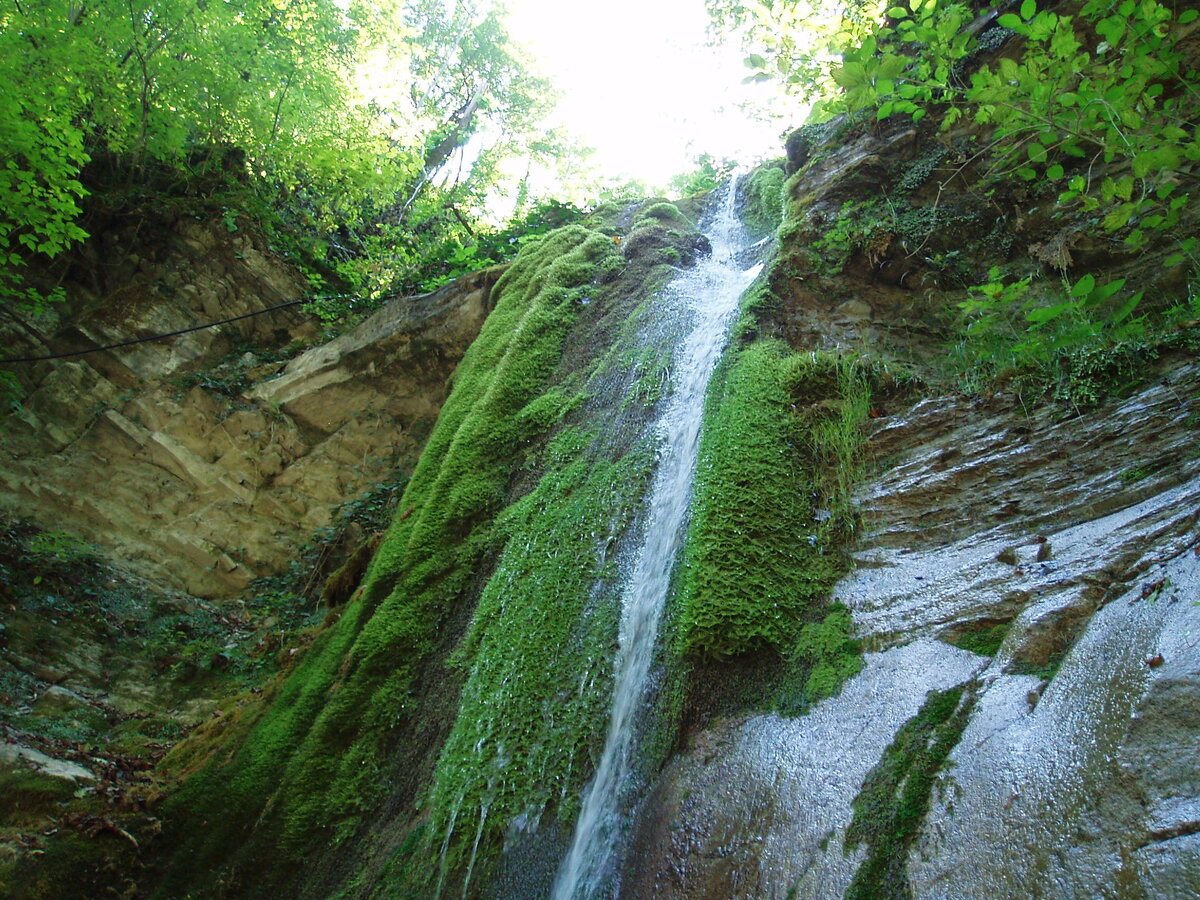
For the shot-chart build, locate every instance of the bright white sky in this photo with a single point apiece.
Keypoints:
(639, 85)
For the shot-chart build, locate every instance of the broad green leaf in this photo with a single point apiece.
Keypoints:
(1119, 217)
(1102, 292)
(1162, 157)
(1028, 8)
(1083, 286)
(1054, 172)
(892, 65)
(1125, 310)
(1045, 314)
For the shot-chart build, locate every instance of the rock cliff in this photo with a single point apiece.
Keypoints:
(205, 460)
(932, 632)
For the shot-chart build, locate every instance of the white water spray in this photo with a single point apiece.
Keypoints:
(709, 292)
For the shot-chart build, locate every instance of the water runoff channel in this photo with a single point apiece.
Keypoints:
(708, 295)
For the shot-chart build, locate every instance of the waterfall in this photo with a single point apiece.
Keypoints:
(708, 293)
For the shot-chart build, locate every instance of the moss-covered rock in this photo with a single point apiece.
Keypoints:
(494, 579)
(779, 446)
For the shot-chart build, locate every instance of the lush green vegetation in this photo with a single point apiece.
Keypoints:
(779, 453)
(983, 638)
(366, 137)
(320, 750)
(494, 586)
(535, 703)
(1077, 117)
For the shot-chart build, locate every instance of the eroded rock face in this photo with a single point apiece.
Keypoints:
(1075, 774)
(205, 483)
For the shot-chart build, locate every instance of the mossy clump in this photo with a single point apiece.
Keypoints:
(537, 653)
(897, 794)
(921, 169)
(983, 638)
(1045, 670)
(825, 656)
(664, 213)
(653, 243)
(764, 198)
(779, 452)
(28, 796)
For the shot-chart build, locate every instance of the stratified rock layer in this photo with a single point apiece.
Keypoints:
(206, 487)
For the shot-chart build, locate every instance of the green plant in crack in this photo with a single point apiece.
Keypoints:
(898, 791)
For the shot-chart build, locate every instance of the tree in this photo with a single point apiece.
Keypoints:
(265, 93)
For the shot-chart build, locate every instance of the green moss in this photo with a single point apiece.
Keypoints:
(1044, 670)
(870, 227)
(27, 796)
(921, 169)
(984, 638)
(538, 650)
(665, 213)
(316, 758)
(764, 198)
(73, 865)
(652, 373)
(777, 458)
(824, 657)
(897, 794)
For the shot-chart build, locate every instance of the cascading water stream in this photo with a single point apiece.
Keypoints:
(709, 292)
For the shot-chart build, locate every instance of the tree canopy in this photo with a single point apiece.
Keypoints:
(359, 115)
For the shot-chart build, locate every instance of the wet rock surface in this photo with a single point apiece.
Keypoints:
(1076, 537)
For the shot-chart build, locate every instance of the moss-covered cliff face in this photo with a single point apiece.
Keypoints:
(464, 686)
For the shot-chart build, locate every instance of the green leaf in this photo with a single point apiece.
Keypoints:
(851, 74)
(891, 65)
(1188, 16)
(898, 12)
(1083, 286)
(1028, 8)
(884, 111)
(1162, 157)
(1037, 153)
(1011, 22)
(1055, 172)
(1125, 310)
(1103, 292)
(1045, 314)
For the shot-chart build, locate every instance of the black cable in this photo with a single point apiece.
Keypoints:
(154, 337)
